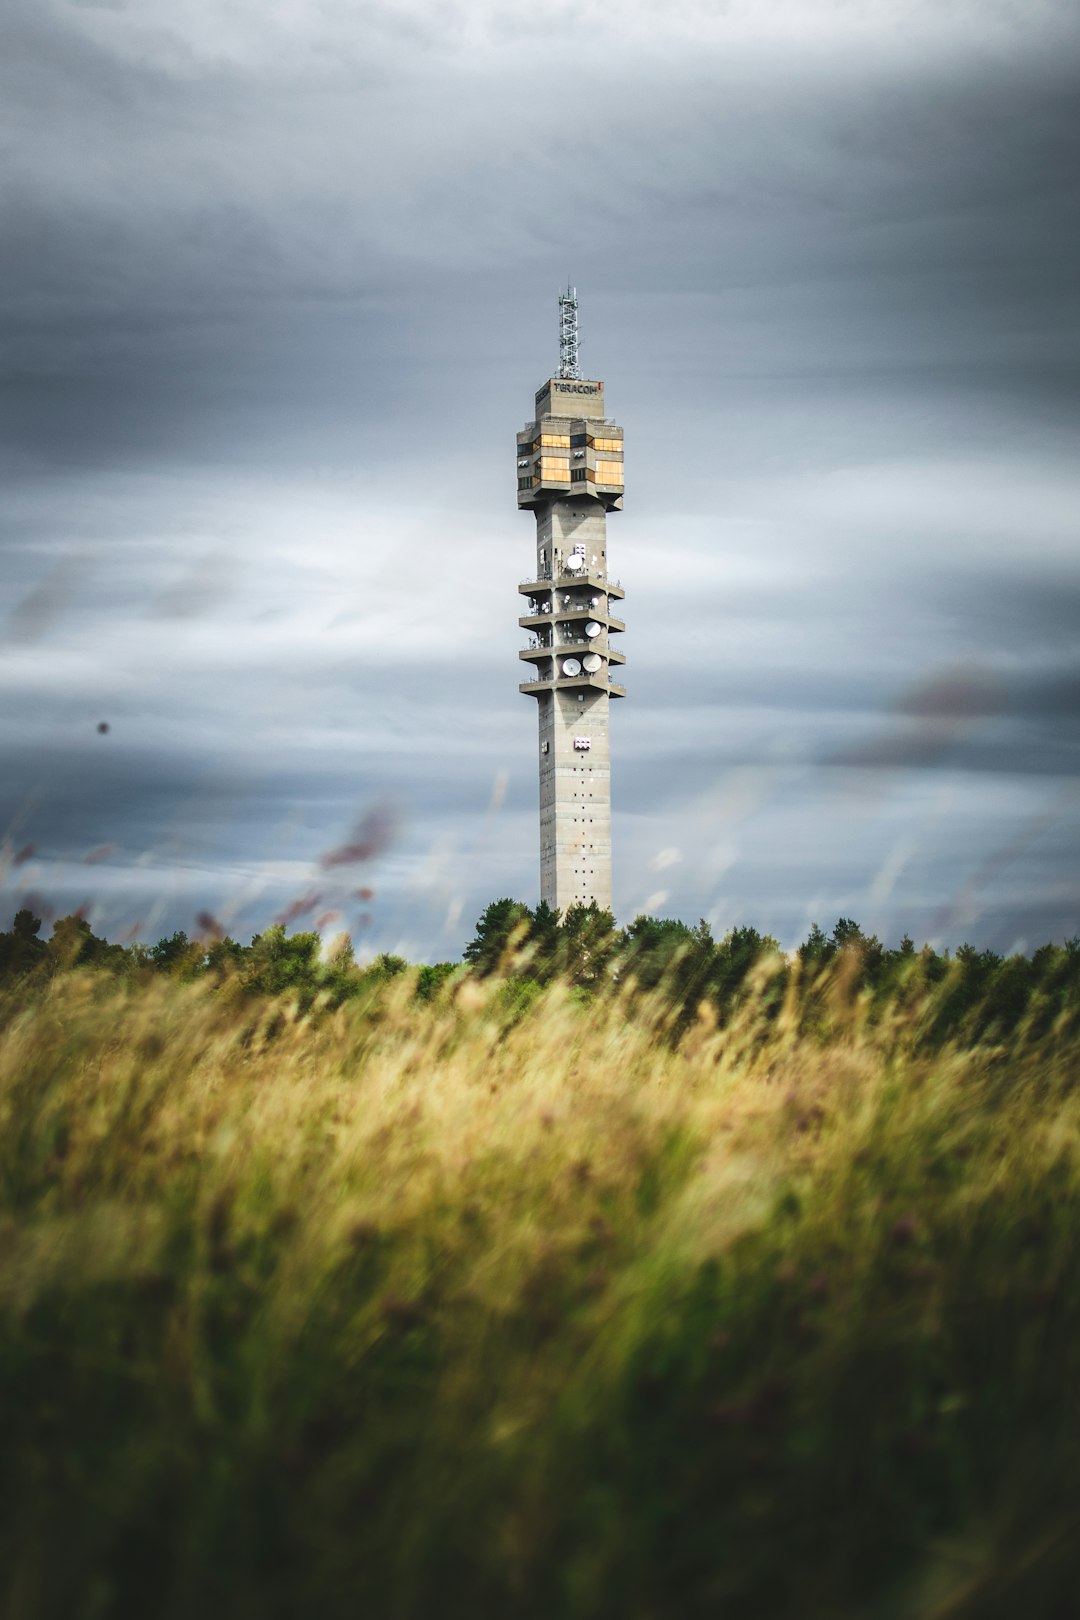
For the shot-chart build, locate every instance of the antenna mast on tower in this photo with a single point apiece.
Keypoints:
(568, 334)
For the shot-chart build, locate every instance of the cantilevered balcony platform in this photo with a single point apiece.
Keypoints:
(538, 621)
(566, 581)
(570, 649)
(594, 683)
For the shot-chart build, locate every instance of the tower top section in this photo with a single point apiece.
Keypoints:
(568, 334)
(570, 397)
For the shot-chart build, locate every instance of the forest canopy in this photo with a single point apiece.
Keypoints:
(975, 992)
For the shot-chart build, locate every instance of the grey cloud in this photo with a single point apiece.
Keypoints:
(1018, 614)
(38, 610)
(198, 589)
(255, 284)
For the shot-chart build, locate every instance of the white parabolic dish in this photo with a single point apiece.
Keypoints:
(592, 662)
(570, 666)
(593, 629)
(574, 562)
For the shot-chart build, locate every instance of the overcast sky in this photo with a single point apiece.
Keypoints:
(278, 283)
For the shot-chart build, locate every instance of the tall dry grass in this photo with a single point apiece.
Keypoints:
(454, 1309)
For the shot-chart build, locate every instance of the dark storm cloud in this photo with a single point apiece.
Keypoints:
(180, 769)
(949, 719)
(1014, 612)
(277, 286)
(99, 791)
(203, 198)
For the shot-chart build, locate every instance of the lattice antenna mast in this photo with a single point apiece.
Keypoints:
(568, 334)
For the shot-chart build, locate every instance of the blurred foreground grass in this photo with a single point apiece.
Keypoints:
(469, 1308)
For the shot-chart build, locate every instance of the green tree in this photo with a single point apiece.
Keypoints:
(430, 978)
(177, 955)
(501, 928)
(650, 946)
(386, 966)
(866, 949)
(339, 976)
(587, 944)
(224, 956)
(22, 949)
(817, 949)
(74, 944)
(542, 943)
(737, 954)
(277, 962)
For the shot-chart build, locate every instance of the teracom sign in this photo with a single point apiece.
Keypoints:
(572, 397)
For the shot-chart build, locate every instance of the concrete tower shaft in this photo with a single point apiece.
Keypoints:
(570, 476)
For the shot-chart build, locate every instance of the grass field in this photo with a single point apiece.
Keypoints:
(492, 1306)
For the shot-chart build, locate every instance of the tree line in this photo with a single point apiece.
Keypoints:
(275, 963)
(971, 993)
(977, 993)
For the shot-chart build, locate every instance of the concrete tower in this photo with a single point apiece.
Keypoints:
(570, 475)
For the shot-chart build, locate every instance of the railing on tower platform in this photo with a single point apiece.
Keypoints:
(569, 579)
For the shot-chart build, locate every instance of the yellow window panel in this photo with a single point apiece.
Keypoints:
(556, 441)
(609, 472)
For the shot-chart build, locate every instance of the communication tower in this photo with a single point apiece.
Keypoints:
(570, 476)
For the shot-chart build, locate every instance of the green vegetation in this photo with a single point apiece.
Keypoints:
(274, 964)
(980, 995)
(617, 1274)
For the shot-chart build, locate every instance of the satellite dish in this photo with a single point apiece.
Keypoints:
(570, 666)
(592, 662)
(574, 562)
(593, 629)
